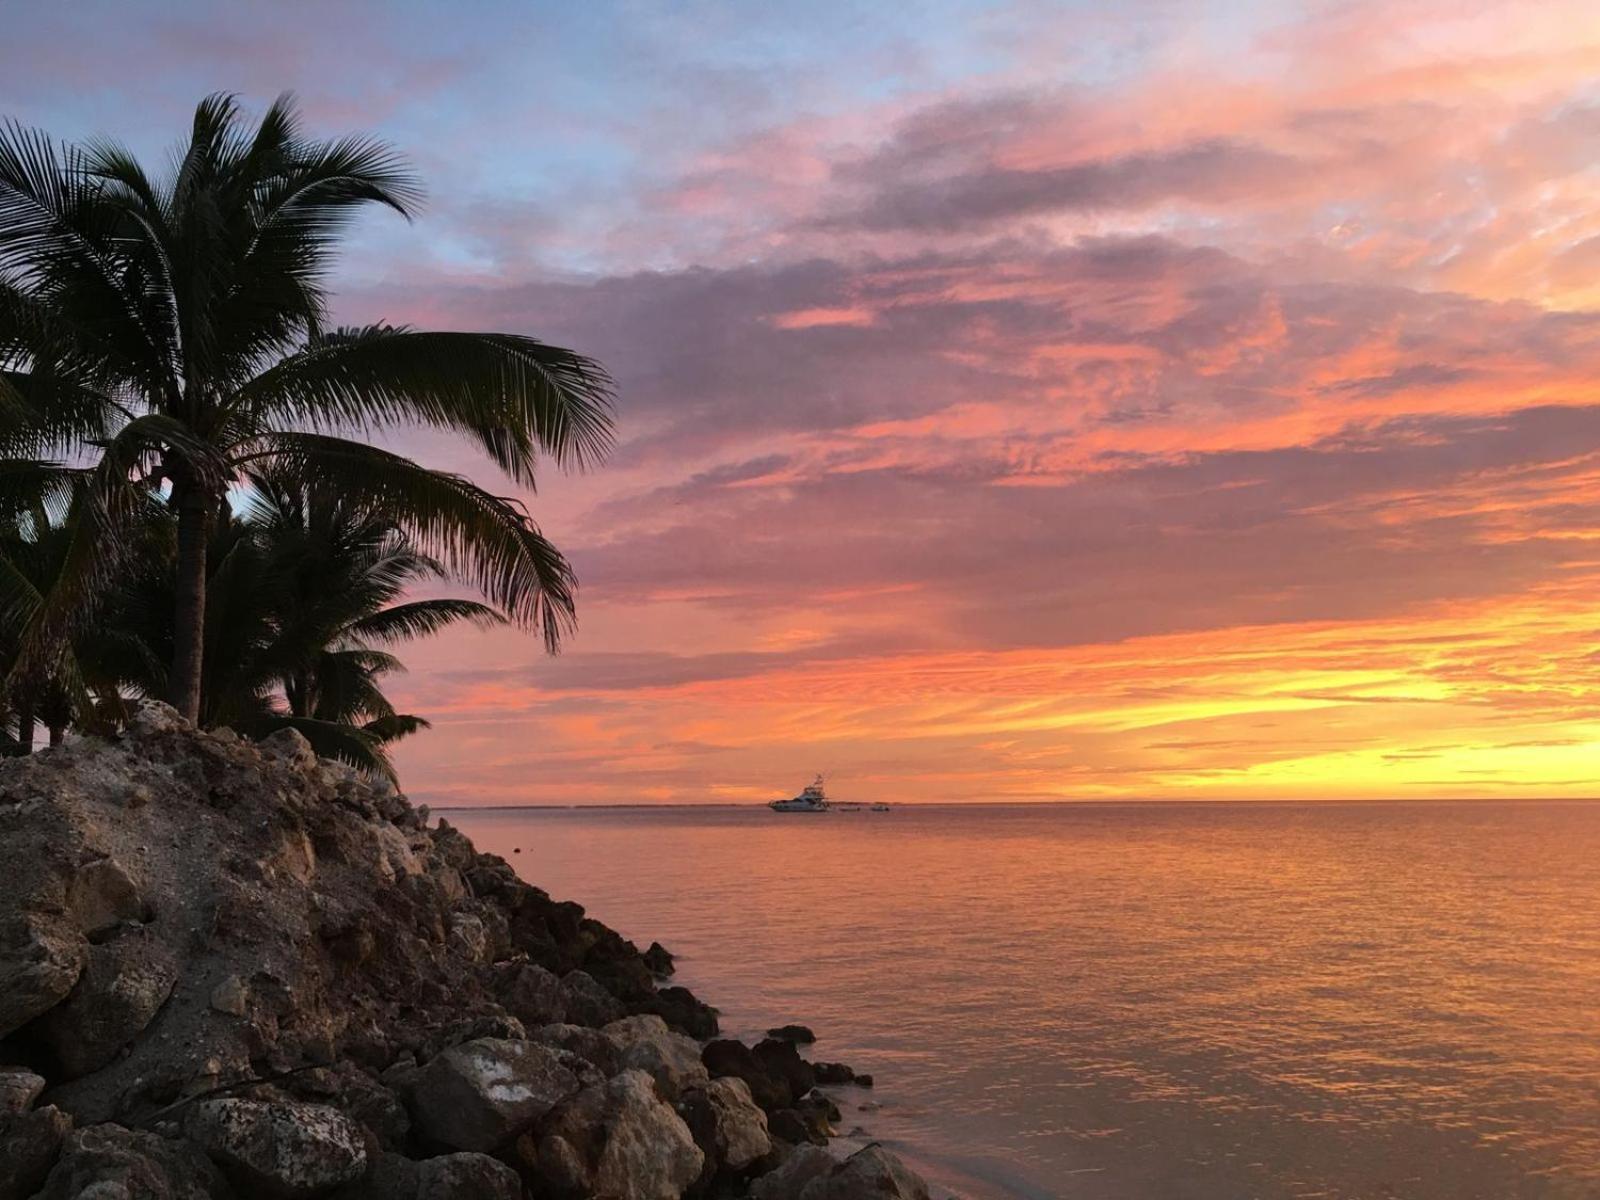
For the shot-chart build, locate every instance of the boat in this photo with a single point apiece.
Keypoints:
(880, 807)
(812, 799)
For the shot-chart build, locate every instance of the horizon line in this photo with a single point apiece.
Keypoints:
(755, 804)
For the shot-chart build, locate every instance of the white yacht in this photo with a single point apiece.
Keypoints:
(812, 799)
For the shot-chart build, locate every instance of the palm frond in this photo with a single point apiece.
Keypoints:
(486, 540)
(423, 618)
(394, 726)
(349, 744)
(515, 397)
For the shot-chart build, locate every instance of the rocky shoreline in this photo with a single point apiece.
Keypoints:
(230, 970)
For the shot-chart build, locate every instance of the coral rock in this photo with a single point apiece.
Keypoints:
(481, 1095)
(286, 1151)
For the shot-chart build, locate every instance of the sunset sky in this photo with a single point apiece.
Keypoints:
(1017, 401)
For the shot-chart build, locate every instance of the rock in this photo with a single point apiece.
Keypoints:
(19, 1088)
(586, 1000)
(728, 1058)
(123, 987)
(29, 1145)
(782, 1061)
(644, 1043)
(617, 1140)
(154, 717)
(473, 1029)
(531, 994)
(390, 1176)
(463, 1176)
(683, 1011)
(468, 937)
(40, 961)
(863, 1081)
(481, 1095)
(287, 1151)
(871, 1173)
(820, 1116)
(395, 857)
(108, 1162)
(729, 1128)
(103, 896)
(658, 959)
(467, 1177)
(820, 1102)
(792, 1125)
(354, 1092)
(289, 746)
(830, 1073)
(791, 1177)
(231, 996)
(189, 918)
(589, 1044)
(797, 1034)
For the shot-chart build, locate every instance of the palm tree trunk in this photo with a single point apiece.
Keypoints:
(58, 734)
(25, 725)
(189, 618)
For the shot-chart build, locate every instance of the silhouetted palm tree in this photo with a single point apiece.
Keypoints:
(307, 593)
(50, 655)
(171, 333)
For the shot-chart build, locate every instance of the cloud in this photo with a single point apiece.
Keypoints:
(1213, 170)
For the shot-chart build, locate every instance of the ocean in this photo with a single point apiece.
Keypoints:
(1146, 1001)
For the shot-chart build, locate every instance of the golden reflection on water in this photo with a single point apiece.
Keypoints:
(1123, 1001)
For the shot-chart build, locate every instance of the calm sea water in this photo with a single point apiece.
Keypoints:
(1155, 1002)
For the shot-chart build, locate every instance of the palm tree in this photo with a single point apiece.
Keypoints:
(171, 333)
(307, 597)
(49, 653)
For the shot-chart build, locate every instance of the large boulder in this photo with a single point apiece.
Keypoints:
(121, 990)
(108, 1162)
(869, 1174)
(482, 1094)
(284, 1151)
(733, 1059)
(682, 1010)
(531, 994)
(40, 961)
(782, 1060)
(29, 1144)
(790, 1178)
(586, 1042)
(618, 1140)
(728, 1126)
(644, 1043)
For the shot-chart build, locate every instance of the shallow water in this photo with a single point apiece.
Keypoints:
(1176, 1001)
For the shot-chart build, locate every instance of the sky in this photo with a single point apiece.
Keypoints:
(1017, 401)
